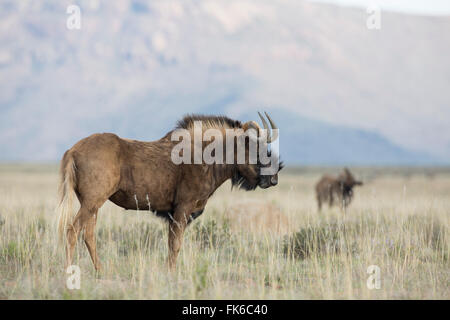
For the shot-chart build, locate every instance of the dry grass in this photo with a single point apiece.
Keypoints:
(268, 244)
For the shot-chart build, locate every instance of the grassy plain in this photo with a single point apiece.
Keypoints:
(267, 244)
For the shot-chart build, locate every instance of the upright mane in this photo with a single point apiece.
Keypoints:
(208, 122)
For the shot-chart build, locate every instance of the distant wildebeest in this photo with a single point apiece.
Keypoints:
(141, 175)
(336, 189)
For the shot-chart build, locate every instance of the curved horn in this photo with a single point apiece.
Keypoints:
(274, 127)
(266, 126)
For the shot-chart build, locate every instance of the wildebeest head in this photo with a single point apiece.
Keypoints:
(263, 173)
(348, 181)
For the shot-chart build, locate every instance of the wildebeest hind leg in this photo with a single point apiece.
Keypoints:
(94, 187)
(319, 201)
(73, 230)
(83, 221)
(89, 240)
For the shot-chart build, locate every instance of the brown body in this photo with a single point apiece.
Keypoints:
(141, 175)
(334, 190)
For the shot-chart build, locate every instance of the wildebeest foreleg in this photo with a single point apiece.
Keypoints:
(177, 225)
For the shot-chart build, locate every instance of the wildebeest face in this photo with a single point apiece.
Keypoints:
(247, 175)
(264, 173)
(348, 181)
(269, 180)
(250, 176)
(266, 181)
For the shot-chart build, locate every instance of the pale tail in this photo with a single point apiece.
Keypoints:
(66, 190)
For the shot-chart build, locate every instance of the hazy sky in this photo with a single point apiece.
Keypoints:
(428, 7)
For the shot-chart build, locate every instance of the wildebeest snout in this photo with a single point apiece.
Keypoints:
(274, 180)
(268, 181)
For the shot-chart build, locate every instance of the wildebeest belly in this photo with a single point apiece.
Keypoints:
(123, 200)
(142, 187)
(134, 201)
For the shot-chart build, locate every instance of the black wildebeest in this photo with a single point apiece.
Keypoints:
(141, 175)
(336, 189)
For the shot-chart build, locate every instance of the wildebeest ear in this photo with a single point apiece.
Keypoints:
(348, 174)
(251, 125)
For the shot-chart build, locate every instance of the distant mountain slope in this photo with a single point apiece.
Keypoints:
(136, 66)
(310, 142)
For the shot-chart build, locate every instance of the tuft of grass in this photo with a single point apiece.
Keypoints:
(430, 230)
(323, 239)
(20, 253)
(212, 234)
(200, 276)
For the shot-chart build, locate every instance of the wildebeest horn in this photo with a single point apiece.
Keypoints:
(274, 127)
(270, 138)
(265, 126)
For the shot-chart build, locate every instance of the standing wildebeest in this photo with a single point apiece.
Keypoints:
(141, 175)
(328, 188)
